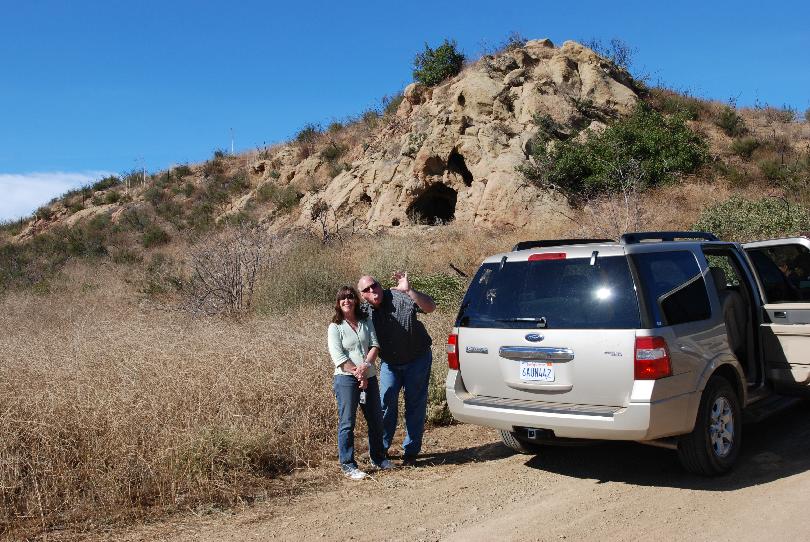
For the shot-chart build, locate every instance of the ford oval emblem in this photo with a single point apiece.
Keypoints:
(534, 337)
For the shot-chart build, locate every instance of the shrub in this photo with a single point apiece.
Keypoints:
(134, 218)
(201, 216)
(106, 182)
(390, 104)
(807, 114)
(741, 219)
(219, 154)
(784, 114)
(133, 178)
(13, 227)
(616, 51)
(44, 212)
(432, 66)
(113, 196)
(446, 290)
(333, 151)
(153, 195)
(672, 103)
(181, 171)
(154, 235)
(645, 149)
(309, 134)
(225, 271)
(730, 122)
(744, 146)
(284, 197)
(75, 206)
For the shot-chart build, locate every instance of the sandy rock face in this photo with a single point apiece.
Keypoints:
(453, 151)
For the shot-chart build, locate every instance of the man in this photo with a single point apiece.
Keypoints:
(405, 356)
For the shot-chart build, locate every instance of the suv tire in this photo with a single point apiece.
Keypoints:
(714, 444)
(514, 443)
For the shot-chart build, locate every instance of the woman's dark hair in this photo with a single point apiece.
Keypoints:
(343, 292)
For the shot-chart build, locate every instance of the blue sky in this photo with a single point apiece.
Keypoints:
(93, 87)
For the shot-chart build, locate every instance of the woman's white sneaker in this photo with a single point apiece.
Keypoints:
(355, 474)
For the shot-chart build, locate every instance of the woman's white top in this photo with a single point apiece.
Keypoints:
(346, 344)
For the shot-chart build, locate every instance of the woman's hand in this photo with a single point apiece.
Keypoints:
(360, 370)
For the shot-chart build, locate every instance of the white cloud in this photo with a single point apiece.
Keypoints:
(22, 193)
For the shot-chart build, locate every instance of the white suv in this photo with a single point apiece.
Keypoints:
(663, 338)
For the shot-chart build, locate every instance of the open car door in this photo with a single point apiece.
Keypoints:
(783, 270)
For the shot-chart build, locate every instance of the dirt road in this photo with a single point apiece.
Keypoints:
(469, 487)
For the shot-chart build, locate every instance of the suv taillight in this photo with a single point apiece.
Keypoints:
(452, 352)
(652, 359)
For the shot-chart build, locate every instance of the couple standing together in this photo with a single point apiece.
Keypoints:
(387, 329)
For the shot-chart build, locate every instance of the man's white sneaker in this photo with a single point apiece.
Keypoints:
(355, 474)
(385, 465)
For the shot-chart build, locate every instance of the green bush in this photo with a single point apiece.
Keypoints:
(134, 218)
(154, 235)
(201, 216)
(646, 149)
(740, 219)
(153, 195)
(333, 151)
(181, 171)
(730, 122)
(744, 146)
(44, 212)
(285, 198)
(74, 206)
(106, 182)
(113, 196)
(432, 66)
(13, 227)
(446, 290)
(309, 134)
(671, 102)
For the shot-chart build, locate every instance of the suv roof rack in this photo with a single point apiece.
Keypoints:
(638, 237)
(523, 245)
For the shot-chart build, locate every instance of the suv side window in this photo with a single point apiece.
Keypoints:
(673, 286)
(784, 271)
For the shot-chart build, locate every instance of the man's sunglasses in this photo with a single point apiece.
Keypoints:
(370, 287)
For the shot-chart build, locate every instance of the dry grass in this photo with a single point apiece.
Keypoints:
(109, 411)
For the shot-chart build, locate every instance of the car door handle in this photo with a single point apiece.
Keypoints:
(779, 314)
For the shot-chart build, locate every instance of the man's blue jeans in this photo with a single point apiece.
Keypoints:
(347, 394)
(414, 378)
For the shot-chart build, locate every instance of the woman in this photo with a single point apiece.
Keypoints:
(353, 347)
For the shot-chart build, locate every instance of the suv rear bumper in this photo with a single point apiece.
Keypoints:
(636, 421)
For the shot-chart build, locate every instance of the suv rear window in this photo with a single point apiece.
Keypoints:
(561, 294)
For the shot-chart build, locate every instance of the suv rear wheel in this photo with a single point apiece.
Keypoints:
(714, 444)
(514, 442)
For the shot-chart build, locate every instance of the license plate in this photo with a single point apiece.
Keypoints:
(536, 371)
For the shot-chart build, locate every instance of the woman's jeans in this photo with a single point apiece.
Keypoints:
(347, 394)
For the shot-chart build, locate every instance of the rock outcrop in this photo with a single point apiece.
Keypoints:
(451, 151)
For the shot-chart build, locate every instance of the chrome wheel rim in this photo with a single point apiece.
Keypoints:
(721, 427)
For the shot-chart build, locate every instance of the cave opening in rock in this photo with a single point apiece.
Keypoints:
(455, 163)
(436, 205)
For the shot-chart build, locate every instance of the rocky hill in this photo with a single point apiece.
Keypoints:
(436, 155)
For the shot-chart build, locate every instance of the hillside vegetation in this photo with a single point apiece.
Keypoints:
(165, 332)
